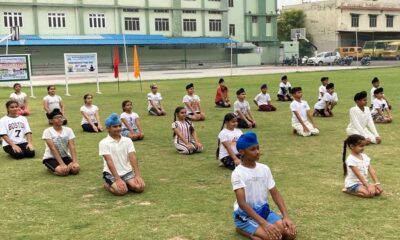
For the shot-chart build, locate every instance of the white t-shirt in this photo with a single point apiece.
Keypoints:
(262, 99)
(19, 98)
(230, 136)
(131, 118)
(156, 98)
(243, 107)
(256, 183)
(118, 150)
(60, 140)
(285, 86)
(331, 98)
(53, 102)
(379, 104)
(372, 94)
(90, 112)
(193, 101)
(321, 89)
(300, 107)
(15, 129)
(361, 165)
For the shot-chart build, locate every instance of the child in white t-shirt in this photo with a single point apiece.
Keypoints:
(284, 90)
(192, 104)
(16, 133)
(251, 182)
(263, 100)
(227, 138)
(53, 101)
(90, 115)
(60, 154)
(302, 120)
(375, 85)
(242, 111)
(322, 88)
(184, 134)
(356, 168)
(120, 169)
(131, 125)
(154, 98)
(21, 98)
(326, 104)
(380, 109)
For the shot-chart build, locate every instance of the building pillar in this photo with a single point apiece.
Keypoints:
(176, 18)
(147, 16)
(117, 18)
(80, 18)
(35, 18)
(203, 18)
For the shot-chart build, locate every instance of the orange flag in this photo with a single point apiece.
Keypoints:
(136, 67)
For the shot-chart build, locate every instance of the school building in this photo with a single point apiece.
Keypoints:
(345, 23)
(168, 33)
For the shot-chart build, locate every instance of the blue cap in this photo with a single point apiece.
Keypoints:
(113, 119)
(246, 140)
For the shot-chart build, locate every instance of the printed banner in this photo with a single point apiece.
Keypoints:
(14, 68)
(80, 63)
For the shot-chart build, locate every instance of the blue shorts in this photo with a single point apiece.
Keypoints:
(354, 188)
(125, 132)
(249, 225)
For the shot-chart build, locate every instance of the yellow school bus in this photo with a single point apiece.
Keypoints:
(375, 48)
(392, 50)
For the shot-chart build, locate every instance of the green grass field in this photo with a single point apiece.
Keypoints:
(190, 197)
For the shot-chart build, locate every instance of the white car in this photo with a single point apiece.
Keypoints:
(324, 58)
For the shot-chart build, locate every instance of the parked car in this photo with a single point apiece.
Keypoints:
(324, 58)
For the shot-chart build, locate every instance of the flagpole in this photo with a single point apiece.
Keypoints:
(126, 58)
(118, 83)
(140, 80)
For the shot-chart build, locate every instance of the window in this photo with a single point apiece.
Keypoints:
(13, 19)
(230, 3)
(56, 20)
(97, 20)
(389, 21)
(189, 11)
(189, 25)
(214, 12)
(130, 10)
(254, 19)
(132, 24)
(268, 19)
(355, 20)
(232, 30)
(162, 24)
(161, 10)
(215, 25)
(372, 21)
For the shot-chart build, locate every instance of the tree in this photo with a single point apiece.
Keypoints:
(294, 19)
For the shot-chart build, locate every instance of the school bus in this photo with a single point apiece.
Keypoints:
(375, 48)
(392, 50)
(353, 52)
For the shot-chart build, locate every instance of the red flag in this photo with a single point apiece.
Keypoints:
(116, 62)
(136, 67)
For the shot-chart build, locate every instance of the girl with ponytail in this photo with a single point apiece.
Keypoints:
(356, 168)
(185, 137)
(227, 137)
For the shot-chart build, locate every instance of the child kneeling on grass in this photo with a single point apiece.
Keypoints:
(356, 168)
(251, 182)
(60, 154)
(242, 111)
(263, 100)
(380, 108)
(302, 121)
(185, 137)
(121, 169)
(326, 104)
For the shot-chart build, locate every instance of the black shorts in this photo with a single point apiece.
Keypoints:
(322, 112)
(51, 163)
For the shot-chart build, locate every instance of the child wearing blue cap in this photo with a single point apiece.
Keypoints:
(121, 169)
(251, 182)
